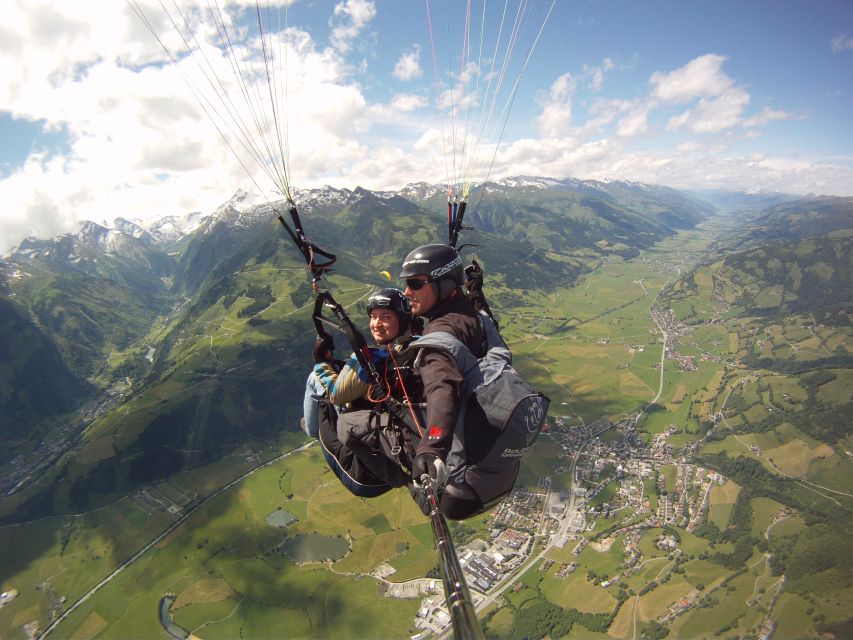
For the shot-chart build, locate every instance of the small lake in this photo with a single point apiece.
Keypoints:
(312, 547)
(166, 619)
(281, 518)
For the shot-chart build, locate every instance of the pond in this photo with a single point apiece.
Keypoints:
(281, 518)
(166, 618)
(312, 547)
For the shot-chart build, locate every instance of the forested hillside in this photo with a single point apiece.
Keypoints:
(782, 432)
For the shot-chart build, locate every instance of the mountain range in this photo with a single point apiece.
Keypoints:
(166, 344)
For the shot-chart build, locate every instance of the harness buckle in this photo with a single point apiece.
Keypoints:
(393, 440)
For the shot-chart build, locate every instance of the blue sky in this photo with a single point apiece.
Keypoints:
(751, 96)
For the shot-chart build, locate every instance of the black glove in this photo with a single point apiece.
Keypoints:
(420, 498)
(431, 465)
(474, 276)
(323, 347)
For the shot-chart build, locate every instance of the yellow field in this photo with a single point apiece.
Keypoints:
(763, 510)
(207, 590)
(205, 480)
(623, 624)
(795, 456)
(837, 340)
(179, 531)
(91, 627)
(679, 394)
(500, 624)
(563, 554)
(655, 602)
(791, 617)
(711, 389)
(27, 615)
(726, 494)
(810, 344)
(98, 449)
(631, 385)
(704, 279)
(769, 297)
(582, 594)
(733, 342)
(371, 551)
(839, 391)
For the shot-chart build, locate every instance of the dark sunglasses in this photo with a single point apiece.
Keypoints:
(416, 285)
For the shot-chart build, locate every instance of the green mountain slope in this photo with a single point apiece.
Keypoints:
(219, 360)
(92, 292)
(754, 382)
(35, 382)
(778, 422)
(791, 220)
(781, 279)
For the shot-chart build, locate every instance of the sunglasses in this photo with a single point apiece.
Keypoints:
(416, 285)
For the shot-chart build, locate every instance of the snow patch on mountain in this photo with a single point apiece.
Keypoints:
(326, 197)
(173, 227)
(130, 228)
(529, 181)
(419, 191)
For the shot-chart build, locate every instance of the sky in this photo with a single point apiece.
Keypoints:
(97, 123)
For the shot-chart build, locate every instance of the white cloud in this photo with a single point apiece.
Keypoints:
(687, 166)
(430, 139)
(701, 77)
(718, 113)
(769, 115)
(398, 112)
(556, 116)
(678, 121)
(842, 42)
(596, 74)
(139, 144)
(350, 19)
(408, 67)
(635, 123)
(603, 112)
(408, 102)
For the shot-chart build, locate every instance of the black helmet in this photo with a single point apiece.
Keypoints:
(439, 262)
(393, 300)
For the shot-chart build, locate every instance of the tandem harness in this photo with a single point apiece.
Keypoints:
(500, 419)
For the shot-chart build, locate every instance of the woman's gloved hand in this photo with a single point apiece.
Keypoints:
(324, 348)
(377, 359)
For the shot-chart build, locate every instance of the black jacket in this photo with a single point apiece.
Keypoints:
(442, 381)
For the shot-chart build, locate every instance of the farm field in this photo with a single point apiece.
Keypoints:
(605, 375)
(224, 565)
(230, 577)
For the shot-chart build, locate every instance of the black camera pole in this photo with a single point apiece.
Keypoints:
(458, 598)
